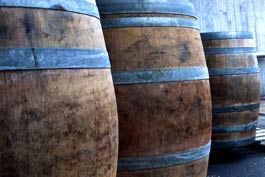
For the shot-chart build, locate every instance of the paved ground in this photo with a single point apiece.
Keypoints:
(240, 162)
(262, 107)
(261, 122)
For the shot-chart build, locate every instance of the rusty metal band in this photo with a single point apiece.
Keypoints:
(234, 71)
(226, 35)
(162, 75)
(236, 50)
(150, 6)
(241, 108)
(163, 161)
(80, 6)
(149, 22)
(236, 128)
(232, 143)
(52, 58)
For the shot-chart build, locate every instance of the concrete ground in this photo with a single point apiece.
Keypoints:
(241, 162)
(246, 161)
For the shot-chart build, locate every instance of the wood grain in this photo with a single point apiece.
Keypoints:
(225, 61)
(60, 122)
(151, 48)
(22, 27)
(233, 90)
(234, 118)
(233, 136)
(164, 117)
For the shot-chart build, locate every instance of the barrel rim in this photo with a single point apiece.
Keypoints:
(149, 22)
(236, 108)
(218, 144)
(53, 58)
(160, 75)
(230, 50)
(235, 128)
(164, 161)
(81, 6)
(107, 7)
(234, 71)
(227, 35)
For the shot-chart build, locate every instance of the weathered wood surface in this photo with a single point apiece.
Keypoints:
(163, 118)
(60, 122)
(237, 15)
(160, 118)
(151, 48)
(57, 123)
(233, 94)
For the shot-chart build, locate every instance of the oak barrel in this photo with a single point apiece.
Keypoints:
(235, 87)
(58, 112)
(162, 87)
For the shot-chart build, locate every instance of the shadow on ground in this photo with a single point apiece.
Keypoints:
(246, 161)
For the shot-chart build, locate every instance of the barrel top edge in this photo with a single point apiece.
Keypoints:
(152, 6)
(82, 7)
(227, 35)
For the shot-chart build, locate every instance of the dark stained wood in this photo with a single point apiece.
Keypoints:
(160, 118)
(60, 122)
(48, 28)
(163, 118)
(57, 123)
(233, 90)
(151, 47)
(235, 118)
(224, 61)
(233, 136)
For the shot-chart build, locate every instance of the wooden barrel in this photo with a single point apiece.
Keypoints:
(58, 115)
(235, 87)
(162, 87)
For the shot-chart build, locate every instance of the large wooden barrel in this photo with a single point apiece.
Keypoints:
(58, 115)
(235, 87)
(162, 87)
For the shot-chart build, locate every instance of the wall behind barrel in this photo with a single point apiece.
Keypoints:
(233, 15)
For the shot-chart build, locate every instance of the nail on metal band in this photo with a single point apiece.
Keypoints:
(163, 161)
(213, 51)
(52, 58)
(151, 6)
(242, 108)
(226, 35)
(157, 76)
(149, 22)
(235, 71)
(80, 6)
(236, 128)
(232, 143)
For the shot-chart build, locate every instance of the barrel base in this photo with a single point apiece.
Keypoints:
(194, 169)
